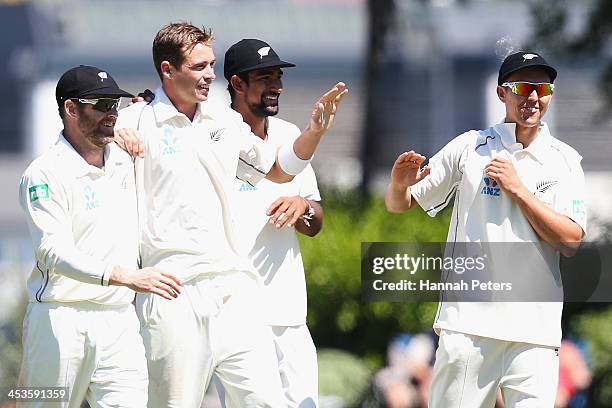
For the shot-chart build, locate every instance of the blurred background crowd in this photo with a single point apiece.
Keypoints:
(420, 73)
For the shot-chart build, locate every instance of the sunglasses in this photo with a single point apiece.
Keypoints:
(526, 88)
(101, 104)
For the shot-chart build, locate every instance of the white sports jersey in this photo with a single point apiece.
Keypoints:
(484, 213)
(276, 252)
(184, 182)
(82, 221)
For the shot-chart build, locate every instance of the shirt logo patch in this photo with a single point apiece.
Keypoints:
(490, 188)
(215, 135)
(38, 192)
(170, 145)
(543, 186)
(578, 208)
(247, 187)
(91, 201)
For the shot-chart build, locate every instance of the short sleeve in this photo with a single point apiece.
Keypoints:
(571, 197)
(308, 184)
(435, 191)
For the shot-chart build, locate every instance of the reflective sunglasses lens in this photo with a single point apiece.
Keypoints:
(106, 104)
(544, 89)
(525, 89)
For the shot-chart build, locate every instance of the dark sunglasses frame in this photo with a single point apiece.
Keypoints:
(101, 104)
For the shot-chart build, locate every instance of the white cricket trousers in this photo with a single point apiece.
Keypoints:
(94, 350)
(214, 325)
(469, 370)
(297, 366)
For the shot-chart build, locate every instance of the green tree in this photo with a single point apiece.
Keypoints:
(332, 260)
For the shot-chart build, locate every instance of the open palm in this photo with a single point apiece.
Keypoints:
(407, 169)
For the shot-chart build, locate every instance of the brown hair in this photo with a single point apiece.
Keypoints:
(174, 40)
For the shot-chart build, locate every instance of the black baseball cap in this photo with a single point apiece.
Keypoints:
(85, 81)
(524, 59)
(250, 54)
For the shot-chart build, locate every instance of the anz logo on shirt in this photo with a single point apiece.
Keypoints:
(247, 187)
(91, 201)
(490, 188)
(169, 143)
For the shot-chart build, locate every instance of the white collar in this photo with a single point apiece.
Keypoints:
(79, 166)
(537, 148)
(165, 110)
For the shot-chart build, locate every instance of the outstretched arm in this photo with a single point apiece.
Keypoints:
(291, 160)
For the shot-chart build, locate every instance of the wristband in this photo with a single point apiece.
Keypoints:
(289, 162)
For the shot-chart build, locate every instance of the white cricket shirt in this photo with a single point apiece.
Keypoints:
(82, 221)
(276, 252)
(185, 181)
(482, 212)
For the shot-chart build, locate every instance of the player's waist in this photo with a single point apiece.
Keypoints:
(69, 290)
(84, 305)
(188, 267)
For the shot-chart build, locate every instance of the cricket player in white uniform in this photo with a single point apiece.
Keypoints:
(80, 329)
(192, 152)
(513, 182)
(268, 215)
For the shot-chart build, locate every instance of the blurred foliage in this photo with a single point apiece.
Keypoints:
(332, 260)
(595, 327)
(10, 351)
(343, 375)
(551, 26)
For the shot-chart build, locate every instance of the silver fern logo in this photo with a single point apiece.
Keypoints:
(91, 201)
(529, 57)
(543, 190)
(169, 143)
(263, 52)
(543, 186)
(216, 134)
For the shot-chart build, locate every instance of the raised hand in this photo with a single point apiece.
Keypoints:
(325, 108)
(407, 169)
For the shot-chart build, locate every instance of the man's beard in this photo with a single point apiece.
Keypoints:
(93, 131)
(263, 110)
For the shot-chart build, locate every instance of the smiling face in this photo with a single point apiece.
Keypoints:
(263, 90)
(97, 128)
(525, 111)
(190, 83)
